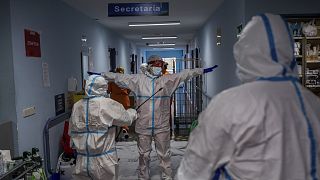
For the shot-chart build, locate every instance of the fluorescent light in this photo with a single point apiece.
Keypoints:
(162, 44)
(160, 37)
(162, 23)
(167, 48)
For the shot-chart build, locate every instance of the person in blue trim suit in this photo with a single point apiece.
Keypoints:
(92, 131)
(154, 115)
(268, 127)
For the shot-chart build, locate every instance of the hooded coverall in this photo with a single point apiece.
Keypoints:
(154, 115)
(265, 129)
(92, 132)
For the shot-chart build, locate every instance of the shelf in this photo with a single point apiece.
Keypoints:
(313, 86)
(298, 56)
(314, 61)
(313, 64)
(297, 38)
(308, 38)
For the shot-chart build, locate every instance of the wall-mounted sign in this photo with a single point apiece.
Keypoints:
(138, 9)
(59, 104)
(32, 43)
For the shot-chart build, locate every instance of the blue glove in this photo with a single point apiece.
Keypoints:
(93, 73)
(210, 69)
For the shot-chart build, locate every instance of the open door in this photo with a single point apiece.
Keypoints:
(113, 62)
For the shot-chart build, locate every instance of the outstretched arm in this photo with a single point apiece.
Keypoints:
(128, 81)
(174, 80)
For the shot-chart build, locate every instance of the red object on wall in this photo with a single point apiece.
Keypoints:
(32, 43)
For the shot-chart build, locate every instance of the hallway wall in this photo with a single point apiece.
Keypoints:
(8, 118)
(61, 28)
(228, 16)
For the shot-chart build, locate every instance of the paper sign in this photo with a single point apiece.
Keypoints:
(45, 74)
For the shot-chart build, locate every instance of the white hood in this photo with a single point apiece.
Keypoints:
(265, 49)
(96, 86)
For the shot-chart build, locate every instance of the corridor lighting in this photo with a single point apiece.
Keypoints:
(162, 23)
(167, 48)
(160, 37)
(162, 44)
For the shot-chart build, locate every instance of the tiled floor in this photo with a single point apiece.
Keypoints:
(128, 154)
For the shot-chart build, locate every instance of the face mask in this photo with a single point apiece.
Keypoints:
(157, 71)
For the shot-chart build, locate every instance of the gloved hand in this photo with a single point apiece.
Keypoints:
(93, 73)
(132, 114)
(210, 69)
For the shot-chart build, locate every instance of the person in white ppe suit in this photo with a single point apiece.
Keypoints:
(268, 127)
(153, 121)
(92, 131)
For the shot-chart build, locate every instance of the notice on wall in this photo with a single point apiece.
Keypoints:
(32, 43)
(59, 104)
(45, 74)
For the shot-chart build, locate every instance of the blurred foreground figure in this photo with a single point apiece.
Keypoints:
(267, 128)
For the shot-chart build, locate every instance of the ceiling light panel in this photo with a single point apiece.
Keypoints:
(162, 44)
(159, 37)
(162, 23)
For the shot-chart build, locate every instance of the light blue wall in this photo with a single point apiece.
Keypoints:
(254, 7)
(228, 16)
(8, 118)
(60, 28)
(166, 54)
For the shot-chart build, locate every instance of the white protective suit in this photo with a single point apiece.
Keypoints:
(154, 115)
(92, 132)
(266, 129)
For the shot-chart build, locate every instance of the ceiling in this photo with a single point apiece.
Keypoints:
(191, 13)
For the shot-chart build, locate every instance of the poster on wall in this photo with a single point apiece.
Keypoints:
(32, 43)
(59, 103)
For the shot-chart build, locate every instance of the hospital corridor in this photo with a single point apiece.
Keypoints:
(160, 90)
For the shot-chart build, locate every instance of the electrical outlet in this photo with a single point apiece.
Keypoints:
(29, 111)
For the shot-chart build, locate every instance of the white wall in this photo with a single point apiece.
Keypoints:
(61, 29)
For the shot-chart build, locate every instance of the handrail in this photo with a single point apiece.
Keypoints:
(51, 123)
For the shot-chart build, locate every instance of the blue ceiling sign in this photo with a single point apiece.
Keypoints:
(138, 9)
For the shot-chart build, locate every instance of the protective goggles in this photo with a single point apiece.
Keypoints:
(156, 63)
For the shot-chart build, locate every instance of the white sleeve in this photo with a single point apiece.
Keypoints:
(174, 80)
(210, 147)
(113, 113)
(128, 81)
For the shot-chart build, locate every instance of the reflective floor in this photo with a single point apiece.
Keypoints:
(128, 154)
